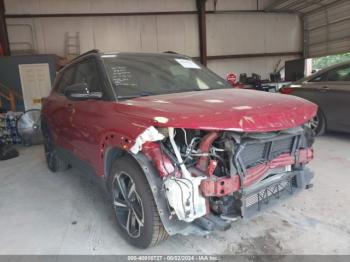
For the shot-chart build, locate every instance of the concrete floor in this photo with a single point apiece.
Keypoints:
(65, 213)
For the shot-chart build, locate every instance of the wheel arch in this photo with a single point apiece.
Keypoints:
(319, 109)
(155, 182)
(111, 154)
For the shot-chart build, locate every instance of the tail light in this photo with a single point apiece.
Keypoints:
(286, 90)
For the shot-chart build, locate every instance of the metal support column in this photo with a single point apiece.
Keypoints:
(4, 42)
(202, 31)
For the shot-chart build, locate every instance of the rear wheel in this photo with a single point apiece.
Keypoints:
(135, 210)
(54, 162)
(318, 124)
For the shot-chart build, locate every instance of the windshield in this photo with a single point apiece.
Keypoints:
(134, 75)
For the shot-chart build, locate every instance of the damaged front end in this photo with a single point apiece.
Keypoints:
(207, 179)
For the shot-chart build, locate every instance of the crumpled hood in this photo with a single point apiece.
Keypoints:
(223, 109)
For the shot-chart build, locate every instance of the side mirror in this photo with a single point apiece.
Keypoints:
(80, 91)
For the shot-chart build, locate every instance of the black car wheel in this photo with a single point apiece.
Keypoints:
(128, 205)
(318, 124)
(135, 210)
(53, 160)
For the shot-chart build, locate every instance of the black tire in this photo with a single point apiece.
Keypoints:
(54, 162)
(318, 124)
(139, 205)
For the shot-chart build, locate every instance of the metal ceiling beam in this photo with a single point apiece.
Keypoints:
(99, 14)
(127, 14)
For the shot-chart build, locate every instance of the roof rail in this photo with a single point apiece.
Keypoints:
(171, 52)
(93, 51)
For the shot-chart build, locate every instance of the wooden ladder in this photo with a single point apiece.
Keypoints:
(72, 45)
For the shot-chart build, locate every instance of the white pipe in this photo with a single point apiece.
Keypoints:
(185, 172)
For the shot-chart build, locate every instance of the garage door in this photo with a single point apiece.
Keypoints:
(328, 31)
(326, 24)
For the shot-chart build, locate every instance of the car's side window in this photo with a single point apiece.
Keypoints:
(334, 75)
(339, 74)
(66, 79)
(320, 78)
(87, 72)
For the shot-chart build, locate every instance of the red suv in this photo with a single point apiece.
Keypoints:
(179, 150)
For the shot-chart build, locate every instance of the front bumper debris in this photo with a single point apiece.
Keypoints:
(221, 186)
(256, 199)
(276, 189)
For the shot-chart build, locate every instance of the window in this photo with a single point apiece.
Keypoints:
(66, 79)
(87, 72)
(320, 78)
(339, 74)
(334, 75)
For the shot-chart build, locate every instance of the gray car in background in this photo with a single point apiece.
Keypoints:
(330, 90)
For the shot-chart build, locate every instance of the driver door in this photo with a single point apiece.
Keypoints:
(86, 114)
(331, 92)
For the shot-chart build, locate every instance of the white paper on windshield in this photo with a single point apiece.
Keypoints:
(187, 63)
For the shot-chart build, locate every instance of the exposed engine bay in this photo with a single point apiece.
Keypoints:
(223, 175)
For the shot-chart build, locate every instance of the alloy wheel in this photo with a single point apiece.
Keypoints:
(314, 123)
(128, 205)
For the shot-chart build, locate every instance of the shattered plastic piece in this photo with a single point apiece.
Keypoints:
(149, 135)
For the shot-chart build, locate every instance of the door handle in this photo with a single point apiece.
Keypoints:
(325, 89)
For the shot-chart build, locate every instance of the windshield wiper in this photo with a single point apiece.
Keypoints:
(135, 96)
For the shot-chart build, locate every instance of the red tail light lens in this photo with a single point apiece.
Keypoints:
(286, 90)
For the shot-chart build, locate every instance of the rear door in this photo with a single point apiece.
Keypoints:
(331, 92)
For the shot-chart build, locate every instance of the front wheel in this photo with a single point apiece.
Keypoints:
(135, 210)
(318, 124)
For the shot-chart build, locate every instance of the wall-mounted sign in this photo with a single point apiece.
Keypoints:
(35, 82)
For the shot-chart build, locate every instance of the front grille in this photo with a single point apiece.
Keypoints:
(257, 153)
(254, 154)
(282, 146)
(263, 195)
(273, 191)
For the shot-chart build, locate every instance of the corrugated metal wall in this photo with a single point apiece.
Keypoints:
(249, 34)
(328, 31)
(127, 33)
(227, 34)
